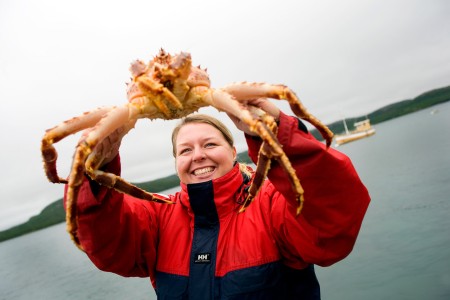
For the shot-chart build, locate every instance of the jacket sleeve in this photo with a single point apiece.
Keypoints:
(335, 200)
(117, 232)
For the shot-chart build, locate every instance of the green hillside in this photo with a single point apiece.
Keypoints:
(394, 110)
(54, 212)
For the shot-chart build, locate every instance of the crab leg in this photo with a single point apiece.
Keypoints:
(57, 133)
(248, 91)
(265, 157)
(110, 180)
(225, 102)
(262, 167)
(88, 160)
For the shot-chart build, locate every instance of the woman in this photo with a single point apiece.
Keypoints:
(201, 247)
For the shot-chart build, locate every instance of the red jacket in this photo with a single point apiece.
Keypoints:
(202, 248)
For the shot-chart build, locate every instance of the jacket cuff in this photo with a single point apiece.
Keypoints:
(93, 192)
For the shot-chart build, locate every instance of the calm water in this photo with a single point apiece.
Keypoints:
(402, 251)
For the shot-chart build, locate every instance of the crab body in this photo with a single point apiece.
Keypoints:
(169, 87)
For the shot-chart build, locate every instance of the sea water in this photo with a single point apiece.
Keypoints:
(402, 251)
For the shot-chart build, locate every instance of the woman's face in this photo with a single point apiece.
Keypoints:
(202, 153)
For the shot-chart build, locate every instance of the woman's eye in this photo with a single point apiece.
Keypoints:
(209, 145)
(184, 151)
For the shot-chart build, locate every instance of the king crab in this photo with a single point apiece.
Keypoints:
(169, 87)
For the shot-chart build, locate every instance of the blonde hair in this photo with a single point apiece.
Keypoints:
(201, 118)
(206, 119)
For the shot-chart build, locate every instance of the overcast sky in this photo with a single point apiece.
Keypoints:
(61, 58)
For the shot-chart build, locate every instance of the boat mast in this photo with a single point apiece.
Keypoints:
(345, 125)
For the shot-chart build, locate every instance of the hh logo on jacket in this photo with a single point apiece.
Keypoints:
(203, 258)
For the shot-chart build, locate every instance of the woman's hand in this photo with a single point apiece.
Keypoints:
(261, 103)
(108, 148)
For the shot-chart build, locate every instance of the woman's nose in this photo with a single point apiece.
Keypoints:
(199, 154)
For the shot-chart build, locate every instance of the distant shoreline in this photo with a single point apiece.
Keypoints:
(394, 110)
(54, 213)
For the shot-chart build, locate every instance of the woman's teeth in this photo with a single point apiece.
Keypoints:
(203, 171)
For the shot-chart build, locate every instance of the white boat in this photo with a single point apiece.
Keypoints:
(434, 111)
(362, 129)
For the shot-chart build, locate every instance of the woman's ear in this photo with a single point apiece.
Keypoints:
(175, 165)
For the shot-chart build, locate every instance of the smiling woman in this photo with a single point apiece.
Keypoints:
(204, 244)
(200, 157)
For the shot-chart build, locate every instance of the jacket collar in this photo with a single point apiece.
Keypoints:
(224, 192)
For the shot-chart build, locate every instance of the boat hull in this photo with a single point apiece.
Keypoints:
(347, 138)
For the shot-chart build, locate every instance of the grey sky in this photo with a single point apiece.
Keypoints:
(59, 59)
